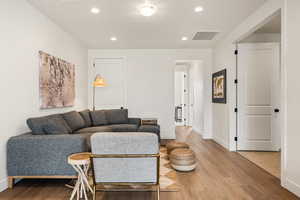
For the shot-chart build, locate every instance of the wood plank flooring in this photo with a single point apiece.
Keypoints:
(220, 175)
(269, 161)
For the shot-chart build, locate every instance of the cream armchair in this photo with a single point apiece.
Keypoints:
(125, 159)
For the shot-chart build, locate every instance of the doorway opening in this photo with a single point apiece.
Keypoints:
(259, 96)
(188, 98)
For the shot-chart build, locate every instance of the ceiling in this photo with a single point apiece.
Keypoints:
(272, 26)
(120, 18)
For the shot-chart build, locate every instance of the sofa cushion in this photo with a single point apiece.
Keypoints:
(124, 127)
(37, 125)
(149, 128)
(117, 116)
(98, 117)
(85, 114)
(95, 129)
(56, 126)
(136, 121)
(74, 120)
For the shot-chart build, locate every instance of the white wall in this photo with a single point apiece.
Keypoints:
(262, 37)
(197, 95)
(292, 140)
(179, 95)
(24, 31)
(150, 81)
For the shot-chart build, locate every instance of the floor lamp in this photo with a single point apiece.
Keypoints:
(98, 82)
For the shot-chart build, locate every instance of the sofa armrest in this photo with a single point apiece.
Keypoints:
(136, 121)
(43, 155)
(150, 129)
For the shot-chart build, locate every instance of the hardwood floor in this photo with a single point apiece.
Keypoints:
(269, 161)
(220, 175)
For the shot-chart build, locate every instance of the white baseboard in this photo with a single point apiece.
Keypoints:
(221, 142)
(197, 130)
(292, 187)
(3, 184)
(206, 137)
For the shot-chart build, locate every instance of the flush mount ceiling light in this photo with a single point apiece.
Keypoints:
(184, 38)
(113, 39)
(198, 9)
(95, 10)
(148, 9)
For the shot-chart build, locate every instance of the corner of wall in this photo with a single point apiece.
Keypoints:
(221, 141)
(292, 186)
(3, 184)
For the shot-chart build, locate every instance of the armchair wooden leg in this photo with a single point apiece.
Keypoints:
(10, 182)
(158, 191)
(94, 192)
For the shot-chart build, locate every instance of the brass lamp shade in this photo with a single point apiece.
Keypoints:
(99, 81)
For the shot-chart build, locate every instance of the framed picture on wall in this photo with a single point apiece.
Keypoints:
(57, 82)
(219, 87)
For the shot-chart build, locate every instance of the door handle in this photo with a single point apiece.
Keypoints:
(276, 110)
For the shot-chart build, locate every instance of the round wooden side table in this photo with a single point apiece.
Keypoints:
(81, 163)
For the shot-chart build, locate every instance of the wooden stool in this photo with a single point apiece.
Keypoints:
(183, 159)
(81, 163)
(174, 145)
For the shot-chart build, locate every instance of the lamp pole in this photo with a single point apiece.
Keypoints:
(94, 97)
(98, 82)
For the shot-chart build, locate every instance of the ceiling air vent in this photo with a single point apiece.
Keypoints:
(205, 35)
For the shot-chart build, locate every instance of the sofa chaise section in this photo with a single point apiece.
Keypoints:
(43, 156)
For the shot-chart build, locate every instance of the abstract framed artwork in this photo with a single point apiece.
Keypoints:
(56, 82)
(219, 87)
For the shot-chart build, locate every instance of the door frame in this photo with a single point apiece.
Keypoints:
(239, 119)
(239, 36)
(186, 95)
(125, 71)
(191, 95)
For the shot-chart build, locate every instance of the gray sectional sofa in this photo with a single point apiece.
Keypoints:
(43, 152)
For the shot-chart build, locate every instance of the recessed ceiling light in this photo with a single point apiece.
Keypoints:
(95, 10)
(148, 9)
(199, 9)
(184, 38)
(113, 39)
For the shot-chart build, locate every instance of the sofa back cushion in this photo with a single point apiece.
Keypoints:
(117, 116)
(74, 120)
(38, 124)
(98, 117)
(85, 114)
(56, 126)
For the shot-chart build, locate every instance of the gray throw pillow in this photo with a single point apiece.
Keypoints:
(56, 126)
(98, 117)
(117, 116)
(37, 125)
(74, 120)
(85, 114)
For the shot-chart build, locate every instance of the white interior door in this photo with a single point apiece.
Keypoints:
(186, 104)
(114, 94)
(258, 97)
(191, 86)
